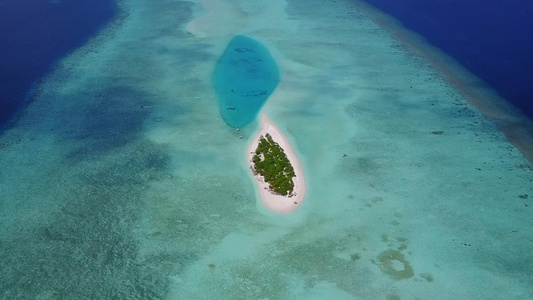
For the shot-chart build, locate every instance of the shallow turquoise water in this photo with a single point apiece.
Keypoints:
(123, 181)
(244, 77)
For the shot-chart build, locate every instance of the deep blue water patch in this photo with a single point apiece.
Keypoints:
(34, 34)
(244, 77)
(491, 38)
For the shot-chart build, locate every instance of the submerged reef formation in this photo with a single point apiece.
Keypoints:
(394, 264)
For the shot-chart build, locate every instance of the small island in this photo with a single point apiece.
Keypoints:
(271, 162)
(276, 169)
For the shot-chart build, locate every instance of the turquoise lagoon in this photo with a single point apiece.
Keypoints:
(122, 180)
(244, 77)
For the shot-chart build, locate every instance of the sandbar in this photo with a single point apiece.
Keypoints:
(220, 19)
(275, 202)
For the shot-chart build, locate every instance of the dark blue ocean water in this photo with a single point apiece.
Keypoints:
(492, 38)
(244, 77)
(34, 34)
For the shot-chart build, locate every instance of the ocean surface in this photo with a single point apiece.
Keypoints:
(490, 38)
(122, 179)
(34, 35)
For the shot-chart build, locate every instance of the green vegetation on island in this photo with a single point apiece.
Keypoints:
(271, 162)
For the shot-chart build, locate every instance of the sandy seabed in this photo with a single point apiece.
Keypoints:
(275, 202)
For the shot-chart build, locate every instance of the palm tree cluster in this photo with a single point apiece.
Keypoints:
(271, 162)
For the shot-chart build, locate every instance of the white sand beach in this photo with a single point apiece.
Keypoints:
(274, 202)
